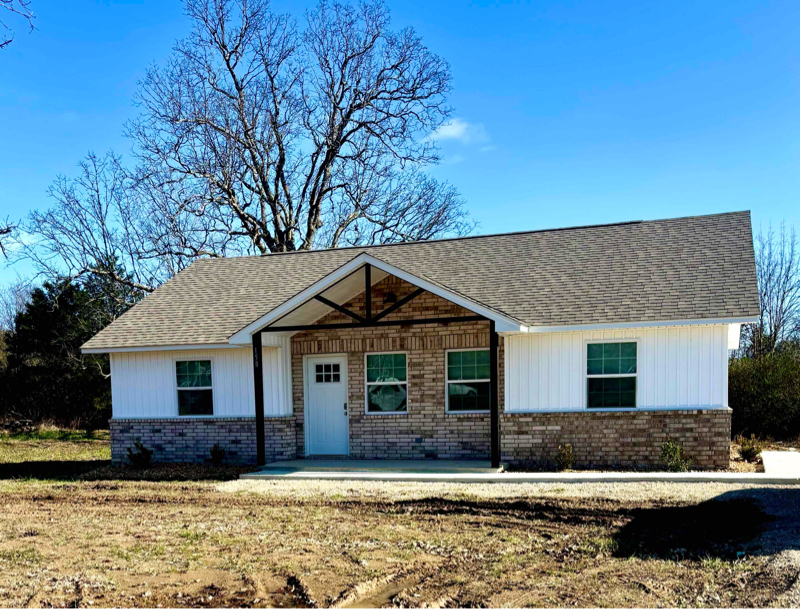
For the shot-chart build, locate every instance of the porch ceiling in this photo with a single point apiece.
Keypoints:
(340, 292)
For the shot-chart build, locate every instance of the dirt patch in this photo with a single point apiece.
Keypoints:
(185, 544)
(182, 538)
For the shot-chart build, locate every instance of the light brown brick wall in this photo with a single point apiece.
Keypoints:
(426, 430)
(189, 440)
(623, 439)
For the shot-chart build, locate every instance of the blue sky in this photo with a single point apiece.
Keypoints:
(567, 113)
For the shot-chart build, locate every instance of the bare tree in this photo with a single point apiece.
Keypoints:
(108, 222)
(93, 228)
(6, 232)
(257, 137)
(13, 298)
(282, 139)
(21, 8)
(778, 271)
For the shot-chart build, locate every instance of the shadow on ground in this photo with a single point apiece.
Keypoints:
(100, 469)
(758, 521)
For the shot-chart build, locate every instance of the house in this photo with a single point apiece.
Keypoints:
(611, 338)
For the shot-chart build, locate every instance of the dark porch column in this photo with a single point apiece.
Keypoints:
(494, 417)
(258, 386)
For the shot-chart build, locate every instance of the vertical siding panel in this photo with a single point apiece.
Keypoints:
(724, 367)
(533, 372)
(566, 371)
(169, 402)
(691, 367)
(671, 368)
(718, 367)
(660, 369)
(555, 373)
(276, 380)
(574, 369)
(644, 386)
(519, 356)
(287, 363)
(702, 369)
(141, 375)
(541, 400)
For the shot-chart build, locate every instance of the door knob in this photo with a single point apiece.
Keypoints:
(345, 409)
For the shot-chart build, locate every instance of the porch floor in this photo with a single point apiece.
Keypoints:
(317, 467)
(469, 471)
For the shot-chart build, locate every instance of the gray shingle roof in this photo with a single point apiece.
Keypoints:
(686, 268)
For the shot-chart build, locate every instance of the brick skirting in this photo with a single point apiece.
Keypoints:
(621, 439)
(189, 440)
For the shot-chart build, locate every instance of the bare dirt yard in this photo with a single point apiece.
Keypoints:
(76, 532)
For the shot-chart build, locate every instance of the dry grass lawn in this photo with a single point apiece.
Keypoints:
(76, 532)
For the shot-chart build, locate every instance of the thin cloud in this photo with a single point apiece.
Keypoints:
(461, 131)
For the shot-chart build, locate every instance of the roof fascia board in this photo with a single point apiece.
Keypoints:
(159, 348)
(243, 336)
(273, 338)
(642, 324)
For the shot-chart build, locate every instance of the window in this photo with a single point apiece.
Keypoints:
(468, 383)
(611, 375)
(195, 396)
(327, 373)
(387, 385)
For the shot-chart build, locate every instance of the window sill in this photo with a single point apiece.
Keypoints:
(386, 414)
(461, 413)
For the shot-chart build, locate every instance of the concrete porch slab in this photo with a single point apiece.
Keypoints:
(379, 466)
(481, 472)
(781, 463)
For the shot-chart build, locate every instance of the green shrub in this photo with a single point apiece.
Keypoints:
(749, 448)
(217, 454)
(672, 456)
(140, 456)
(764, 394)
(565, 459)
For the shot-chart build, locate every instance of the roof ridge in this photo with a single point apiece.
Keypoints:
(470, 237)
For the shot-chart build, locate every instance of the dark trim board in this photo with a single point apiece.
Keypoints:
(258, 387)
(375, 324)
(494, 416)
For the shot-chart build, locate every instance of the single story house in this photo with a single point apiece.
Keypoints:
(611, 338)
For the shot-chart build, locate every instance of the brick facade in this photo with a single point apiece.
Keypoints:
(426, 430)
(617, 439)
(189, 440)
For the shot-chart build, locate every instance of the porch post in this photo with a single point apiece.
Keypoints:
(494, 417)
(258, 385)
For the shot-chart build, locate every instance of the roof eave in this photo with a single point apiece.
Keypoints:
(702, 321)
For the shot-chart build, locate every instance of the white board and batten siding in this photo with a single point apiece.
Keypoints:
(143, 384)
(677, 367)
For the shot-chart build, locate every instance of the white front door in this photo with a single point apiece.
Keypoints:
(326, 382)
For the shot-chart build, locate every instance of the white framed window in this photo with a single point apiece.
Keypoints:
(194, 387)
(386, 388)
(467, 380)
(327, 373)
(611, 373)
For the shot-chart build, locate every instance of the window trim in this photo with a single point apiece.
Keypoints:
(176, 389)
(587, 376)
(331, 382)
(447, 382)
(407, 383)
